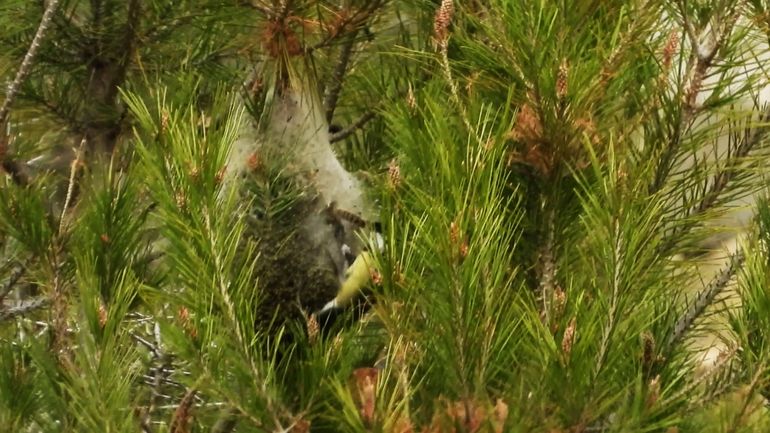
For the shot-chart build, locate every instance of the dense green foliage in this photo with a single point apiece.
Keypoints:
(572, 197)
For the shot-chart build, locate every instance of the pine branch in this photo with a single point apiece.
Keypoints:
(166, 25)
(338, 76)
(366, 117)
(158, 375)
(283, 10)
(706, 297)
(701, 61)
(106, 76)
(612, 314)
(258, 6)
(26, 64)
(361, 121)
(446, 68)
(182, 415)
(720, 181)
(226, 422)
(350, 23)
(442, 21)
(58, 112)
(14, 168)
(723, 365)
(59, 307)
(23, 308)
(18, 173)
(547, 265)
(14, 278)
(726, 174)
(144, 425)
(76, 163)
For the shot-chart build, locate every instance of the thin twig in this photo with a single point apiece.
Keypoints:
(60, 305)
(183, 413)
(26, 64)
(705, 61)
(10, 283)
(144, 424)
(262, 8)
(160, 371)
(447, 69)
(23, 308)
(722, 178)
(723, 361)
(284, 7)
(361, 121)
(152, 379)
(688, 27)
(12, 167)
(706, 297)
(18, 173)
(149, 345)
(77, 162)
(338, 76)
(443, 48)
(226, 422)
(349, 23)
(740, 418)
(699, 64)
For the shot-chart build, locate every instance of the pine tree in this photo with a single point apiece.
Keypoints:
(571, 196)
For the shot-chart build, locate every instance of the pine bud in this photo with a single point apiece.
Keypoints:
(528, 127)
(366, 388)
(163, 121)
(672, 44)
(653, 392)
(254, 162)
(220, 176)
(403, 425)
(464, 249)
(411, 101)
(648, 351)
(442, 21)
(181, 421)
(559, 301)
(376, 276)
(184, 319)
(454, 233)
(569, 338)
(194, 172)
(102, 314)
(181, 200)
(561, 80)
(313, 329)
(184, 315)
(394, 174)
(500, 415)
(301, 426)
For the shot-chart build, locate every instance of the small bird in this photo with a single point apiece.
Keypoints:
(358, 275)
